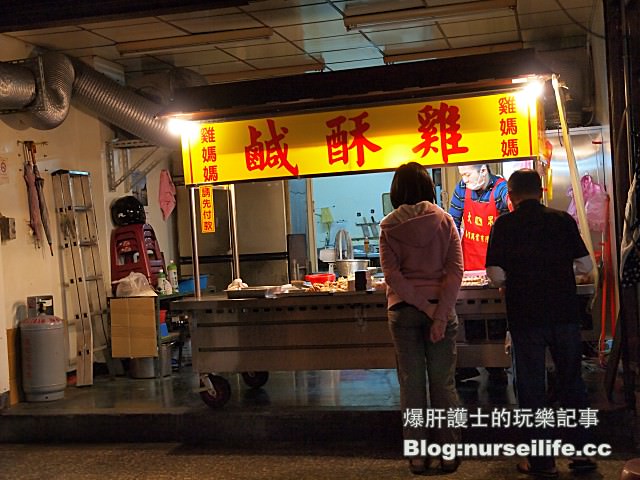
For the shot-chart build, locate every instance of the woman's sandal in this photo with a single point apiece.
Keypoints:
(524, 467)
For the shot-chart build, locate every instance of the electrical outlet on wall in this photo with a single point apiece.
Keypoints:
(7, 228)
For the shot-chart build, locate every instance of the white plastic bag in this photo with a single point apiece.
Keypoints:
(134, 285)
(237, 284)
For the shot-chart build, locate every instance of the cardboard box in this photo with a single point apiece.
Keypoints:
(15, 374)
(133, 327)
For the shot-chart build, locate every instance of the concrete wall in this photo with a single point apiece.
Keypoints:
(78, 143)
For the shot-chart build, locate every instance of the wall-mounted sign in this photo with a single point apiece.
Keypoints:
(486, 128)
(207, 222)
(4, 171)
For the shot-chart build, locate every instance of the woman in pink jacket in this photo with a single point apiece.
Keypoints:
(421, 260)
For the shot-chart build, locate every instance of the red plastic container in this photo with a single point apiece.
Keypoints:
(320, 277)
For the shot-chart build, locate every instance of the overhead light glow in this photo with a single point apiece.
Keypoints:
(181, 127)
(527, 96)
(534, 88)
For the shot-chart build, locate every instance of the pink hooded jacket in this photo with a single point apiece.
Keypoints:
(421, 258)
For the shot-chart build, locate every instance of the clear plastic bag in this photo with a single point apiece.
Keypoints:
(134, 285)
(595, 203)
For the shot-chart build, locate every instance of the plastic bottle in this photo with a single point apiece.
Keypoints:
(163, 283)
(172, 272)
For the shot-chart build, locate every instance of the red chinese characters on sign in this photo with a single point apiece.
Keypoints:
(207, 223)
(440, 125)
(510, 147)
(270, 153)
(210, 173)
(507, 105)
(337, 148)
(508, 126)
(209, 154)
(207, 135)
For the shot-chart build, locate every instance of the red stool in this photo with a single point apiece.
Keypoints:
(134, 248)
(631, 470)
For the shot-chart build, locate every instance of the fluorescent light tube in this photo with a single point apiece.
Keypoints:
(264, 73)
(410, 56)
(171, 44)
(434, 13)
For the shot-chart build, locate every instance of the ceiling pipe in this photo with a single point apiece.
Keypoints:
(120, 106)
(67, 80)
(17, 86)
(55, 93)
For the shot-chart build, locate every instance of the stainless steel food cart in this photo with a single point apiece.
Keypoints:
(322, 331)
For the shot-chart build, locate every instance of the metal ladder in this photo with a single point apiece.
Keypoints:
(82, 279)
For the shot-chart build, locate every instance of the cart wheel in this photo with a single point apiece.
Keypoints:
(255, 379)
(218, 390)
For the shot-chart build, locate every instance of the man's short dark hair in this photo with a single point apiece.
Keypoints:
(478, 167)
(411, 184)
(524, 182)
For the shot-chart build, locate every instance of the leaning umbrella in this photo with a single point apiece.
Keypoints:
(44, 212)
(35, 221)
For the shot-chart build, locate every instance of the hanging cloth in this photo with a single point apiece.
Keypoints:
(595, 203)
(167, 194)
(629, 258)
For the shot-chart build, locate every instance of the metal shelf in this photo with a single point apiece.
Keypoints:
(118, 155)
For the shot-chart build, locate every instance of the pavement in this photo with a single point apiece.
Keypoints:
(300, 425)
(270, 461)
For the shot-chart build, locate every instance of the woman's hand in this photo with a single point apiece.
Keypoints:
(438, 328)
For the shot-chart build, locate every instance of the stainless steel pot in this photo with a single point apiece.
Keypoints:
(343, 245)
(344, 268)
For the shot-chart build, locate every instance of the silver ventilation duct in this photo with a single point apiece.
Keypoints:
(120, 106)
(17, 86)
(66, 80)
(56, 92)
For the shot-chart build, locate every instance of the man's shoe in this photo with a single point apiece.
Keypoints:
(524, 467)
(466, 373)
(580, 465)
(498, 376)
(450, 466)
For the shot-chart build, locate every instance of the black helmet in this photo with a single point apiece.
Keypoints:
(127, 211)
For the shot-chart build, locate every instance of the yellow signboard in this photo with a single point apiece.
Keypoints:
(486, 128)
(207, 221)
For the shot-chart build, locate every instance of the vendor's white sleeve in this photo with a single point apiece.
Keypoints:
(582, 265)
(497, 276)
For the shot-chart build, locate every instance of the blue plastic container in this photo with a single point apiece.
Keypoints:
(188, 285)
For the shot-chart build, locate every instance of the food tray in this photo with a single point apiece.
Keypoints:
(252, 292)
(303, 293)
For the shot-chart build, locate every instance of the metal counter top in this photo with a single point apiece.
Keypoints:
(330, 298)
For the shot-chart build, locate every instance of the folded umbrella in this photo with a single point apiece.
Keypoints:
(44, 212)
(35, 221)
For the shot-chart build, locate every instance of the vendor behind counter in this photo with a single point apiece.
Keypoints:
(478, 199)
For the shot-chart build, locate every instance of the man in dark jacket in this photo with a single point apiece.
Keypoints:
(535, 252)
